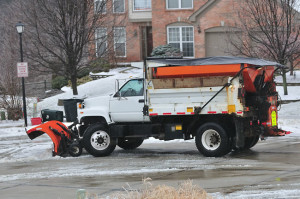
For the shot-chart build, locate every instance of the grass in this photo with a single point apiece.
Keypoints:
(186, 190)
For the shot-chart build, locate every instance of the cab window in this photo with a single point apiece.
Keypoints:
(133, 87)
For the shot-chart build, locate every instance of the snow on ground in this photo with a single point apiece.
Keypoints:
(293, 91)
(262, 191)
(7, 123)
(289, 118)
(289, 78)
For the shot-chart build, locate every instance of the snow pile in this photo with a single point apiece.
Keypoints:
(94, 88)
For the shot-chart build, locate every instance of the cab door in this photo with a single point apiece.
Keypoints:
(127, 104)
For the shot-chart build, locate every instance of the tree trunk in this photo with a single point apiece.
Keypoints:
(74, 84)
(291, 69)
(284, 82)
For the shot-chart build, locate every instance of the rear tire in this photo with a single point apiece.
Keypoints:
(130, 143)
(97, 141)
(212, 140)
(250, 142)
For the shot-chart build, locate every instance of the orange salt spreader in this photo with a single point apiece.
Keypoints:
(257, 76)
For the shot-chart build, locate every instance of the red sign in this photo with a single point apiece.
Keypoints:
(22, 69)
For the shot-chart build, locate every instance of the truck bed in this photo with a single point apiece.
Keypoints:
(179, 96)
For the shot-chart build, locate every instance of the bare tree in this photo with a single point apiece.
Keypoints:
(10, 99)
(269, 29)
(60, 32)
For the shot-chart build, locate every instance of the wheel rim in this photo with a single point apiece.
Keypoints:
(100, 140)
(75, 149)
(211, 139)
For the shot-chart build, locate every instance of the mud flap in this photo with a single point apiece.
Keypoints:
(58, 133)
(240, 137)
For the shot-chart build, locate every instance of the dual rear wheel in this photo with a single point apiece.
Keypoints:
(213, 141)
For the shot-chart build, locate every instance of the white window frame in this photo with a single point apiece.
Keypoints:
(180, 38)
(133, 7)
(95, 7)
(179, 6)
(114, 7)
(96, 39)
(124, 28)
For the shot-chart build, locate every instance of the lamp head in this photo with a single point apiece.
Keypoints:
(20, 27)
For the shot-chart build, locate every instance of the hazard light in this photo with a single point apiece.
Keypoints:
(81, 105)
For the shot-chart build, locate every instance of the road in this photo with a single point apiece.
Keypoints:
(270, 169)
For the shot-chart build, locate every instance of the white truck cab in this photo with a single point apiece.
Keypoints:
(126, 105)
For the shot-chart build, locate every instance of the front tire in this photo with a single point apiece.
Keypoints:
(130, 143)
(212, 140)
(97, 141)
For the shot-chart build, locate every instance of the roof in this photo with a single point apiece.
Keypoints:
(216, 61)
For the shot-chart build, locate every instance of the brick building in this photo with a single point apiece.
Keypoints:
(196, 27)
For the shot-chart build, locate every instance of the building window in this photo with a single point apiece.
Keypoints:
(179, 4)
(101, 42)
(182, 38)
(120, 41)
(141, 5)
(100, 6)
(119, 6)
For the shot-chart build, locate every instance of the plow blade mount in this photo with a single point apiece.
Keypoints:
(57, 131)
(275, 132)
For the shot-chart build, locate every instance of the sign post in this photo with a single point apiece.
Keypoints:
(22, 68)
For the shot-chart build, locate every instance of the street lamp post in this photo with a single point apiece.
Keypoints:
(20, 29)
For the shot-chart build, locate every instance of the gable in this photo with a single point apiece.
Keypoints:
(208, 5)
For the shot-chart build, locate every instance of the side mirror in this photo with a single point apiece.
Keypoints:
(118, 94)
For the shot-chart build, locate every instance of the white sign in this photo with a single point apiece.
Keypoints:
(22, 69)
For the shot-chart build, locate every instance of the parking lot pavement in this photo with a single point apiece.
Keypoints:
(272, 167)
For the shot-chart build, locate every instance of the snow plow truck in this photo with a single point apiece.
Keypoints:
(224, 103)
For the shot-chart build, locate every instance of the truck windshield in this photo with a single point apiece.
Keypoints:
(133, 87)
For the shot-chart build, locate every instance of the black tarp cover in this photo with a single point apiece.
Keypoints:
(216, 61)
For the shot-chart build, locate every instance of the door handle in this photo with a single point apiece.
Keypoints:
(141, 101)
